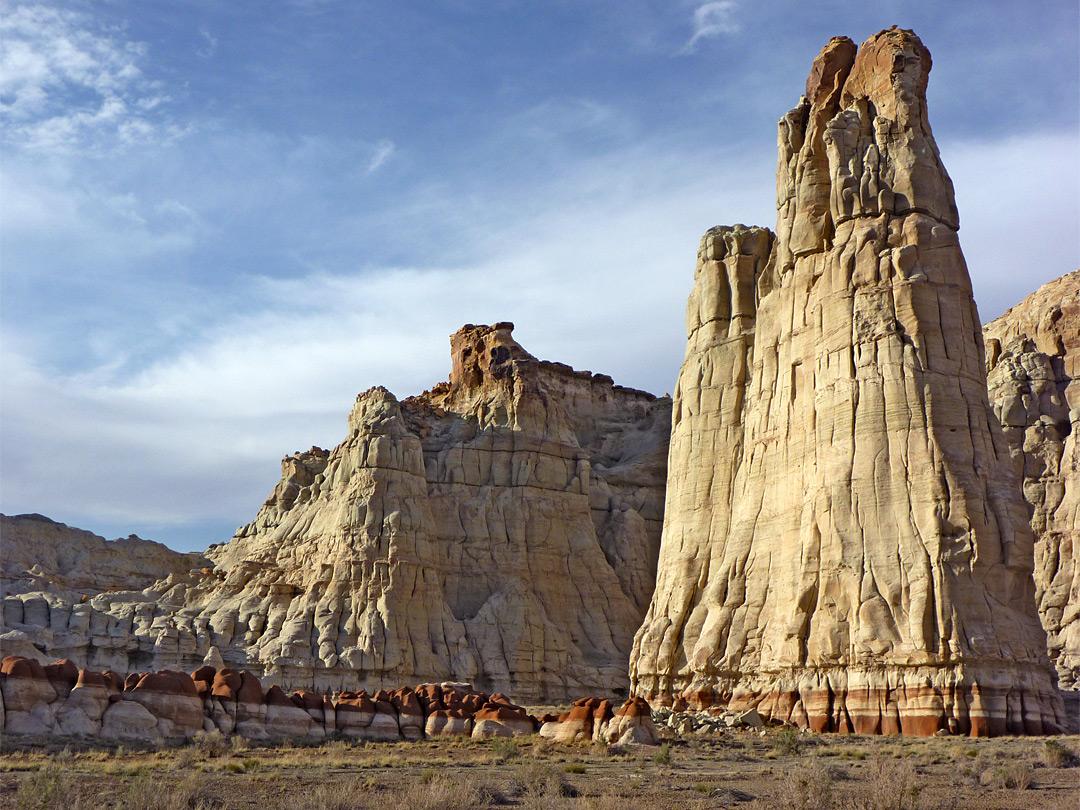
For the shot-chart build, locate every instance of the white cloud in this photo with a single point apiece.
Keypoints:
(711, 20)
(598, 279)
(65, 84)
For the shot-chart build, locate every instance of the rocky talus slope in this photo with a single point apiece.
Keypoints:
(501, 529)
(845, 543)
(1033, 371)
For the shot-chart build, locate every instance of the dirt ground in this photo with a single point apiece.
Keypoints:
(774, 770)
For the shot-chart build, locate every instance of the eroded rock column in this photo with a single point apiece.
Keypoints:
(854, 554)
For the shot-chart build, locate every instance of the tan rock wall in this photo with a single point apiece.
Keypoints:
(1033, 372)
(844, 543)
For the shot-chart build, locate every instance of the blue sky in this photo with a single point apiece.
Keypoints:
(219, 222)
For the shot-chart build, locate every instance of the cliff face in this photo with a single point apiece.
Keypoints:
(500, 529)
(845, 545)
(1033, 372)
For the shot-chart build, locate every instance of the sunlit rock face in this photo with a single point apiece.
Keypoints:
(501, 529)
(1033, 371)
(845, 543)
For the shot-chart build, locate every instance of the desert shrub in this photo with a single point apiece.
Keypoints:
(186, 757)
(663, 756)
(446, 793)
(210, 744)
(336, 796)
(504, 748)
(891, 785)
(239, 744)
(1056, 755)
(786, 741)
(46, 789)
(808, 787)
(537, 781)
(1016, 775)
(574, 767)
(64, 756)
(146, 793)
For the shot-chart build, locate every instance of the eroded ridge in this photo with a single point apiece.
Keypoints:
(845, 545)
(500, 529)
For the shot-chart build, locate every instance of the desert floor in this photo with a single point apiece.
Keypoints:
(773, 770)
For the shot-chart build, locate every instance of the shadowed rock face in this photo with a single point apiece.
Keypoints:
(500, 529)
(1033, 372)
(845, 545)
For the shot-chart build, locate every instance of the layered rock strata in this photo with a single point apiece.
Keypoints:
(1033, 373)
(598, 720)
(500, 529)
(845, 545)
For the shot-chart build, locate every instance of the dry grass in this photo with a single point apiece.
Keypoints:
(736, 769)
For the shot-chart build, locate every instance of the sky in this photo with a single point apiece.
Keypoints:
(219, 222)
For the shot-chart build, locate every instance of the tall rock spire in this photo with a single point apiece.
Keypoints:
(845, 544)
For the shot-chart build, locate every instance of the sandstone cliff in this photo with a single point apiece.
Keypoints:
(1033, 371)
(845, 545)
(500, 529)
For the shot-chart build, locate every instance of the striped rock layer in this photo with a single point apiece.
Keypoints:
(845, 544)
(61, 699)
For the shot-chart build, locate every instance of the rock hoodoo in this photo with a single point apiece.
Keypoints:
(845, 545)
(1033, 372)
(157, 706)
(500, 529)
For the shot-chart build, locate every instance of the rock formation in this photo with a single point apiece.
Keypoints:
(41, 554)
(61, 699)
(500, 529)
(596, 719)
(1033, 372)
(844, 543)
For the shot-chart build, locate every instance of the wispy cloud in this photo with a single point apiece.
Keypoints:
(65, 83)
(556, 118)
(208, 46)
(383, 151)
(711, 20)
